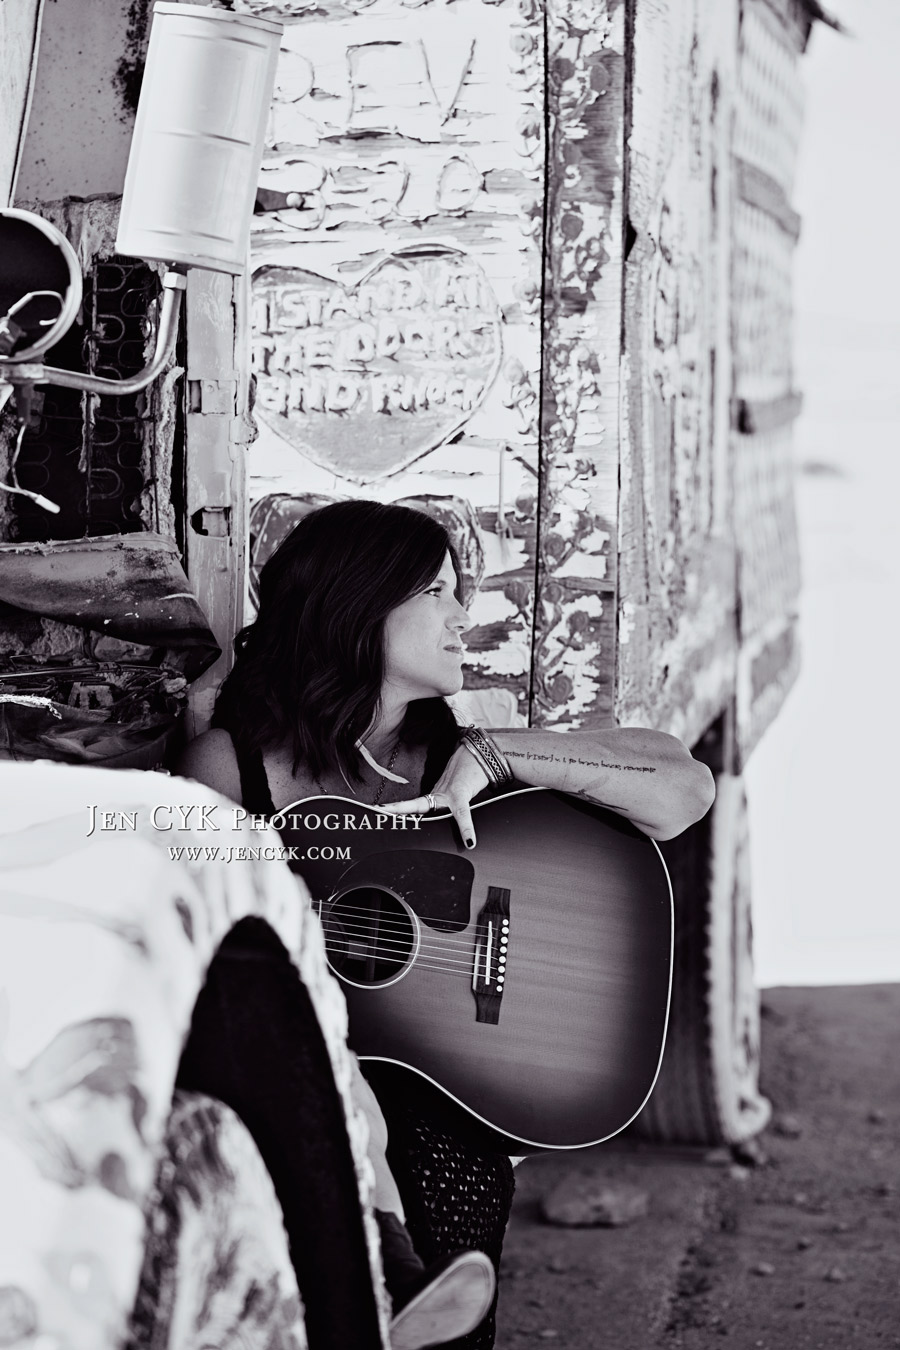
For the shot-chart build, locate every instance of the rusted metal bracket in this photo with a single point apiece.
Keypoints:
(751, 417)
(214, 521)
(212, 397)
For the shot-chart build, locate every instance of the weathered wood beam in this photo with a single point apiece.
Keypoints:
(677, 631)
(215, 470)
(574, 655)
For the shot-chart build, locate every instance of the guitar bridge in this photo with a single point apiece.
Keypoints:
(491, 947)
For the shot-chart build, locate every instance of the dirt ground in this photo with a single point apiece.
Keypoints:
(800, 1249)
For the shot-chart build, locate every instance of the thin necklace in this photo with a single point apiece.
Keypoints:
(376, 801)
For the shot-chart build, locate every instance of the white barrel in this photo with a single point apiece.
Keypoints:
(198, 137)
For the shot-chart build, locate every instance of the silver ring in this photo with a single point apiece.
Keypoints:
(432, 804)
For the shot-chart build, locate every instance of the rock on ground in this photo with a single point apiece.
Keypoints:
(594, 1199)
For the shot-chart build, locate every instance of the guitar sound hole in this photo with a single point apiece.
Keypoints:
(369, 935)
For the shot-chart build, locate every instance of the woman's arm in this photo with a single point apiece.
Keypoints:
(647, 776)
(210, 759)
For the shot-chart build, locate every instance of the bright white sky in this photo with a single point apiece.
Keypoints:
(823, 783)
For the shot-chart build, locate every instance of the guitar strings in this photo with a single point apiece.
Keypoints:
(450, 971)
(392, 948)
(389, 940)
(404, 949)
(388, 915)
(403, 931)
(448, 965)
(399, 931)
(453, 973)
(396, 935)
(394, 942)
(454, 967)
(398, 922)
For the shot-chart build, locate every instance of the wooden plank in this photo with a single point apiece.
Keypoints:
(761, 305)
(769, 97)
(677, 644)
(408, 142)
(767, 128)
(765, 526)
(575, 617)
(215, 470)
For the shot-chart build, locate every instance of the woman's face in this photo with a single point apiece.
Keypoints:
(423, 648)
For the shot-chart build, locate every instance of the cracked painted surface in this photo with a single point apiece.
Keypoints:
(416, 133)
(575, 619)
(402, 213)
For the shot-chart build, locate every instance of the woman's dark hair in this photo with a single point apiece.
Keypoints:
(308, 672)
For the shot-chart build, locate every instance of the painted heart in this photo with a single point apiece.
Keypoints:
(365, 379)
(274, 516)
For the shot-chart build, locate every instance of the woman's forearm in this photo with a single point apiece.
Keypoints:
(647, 776)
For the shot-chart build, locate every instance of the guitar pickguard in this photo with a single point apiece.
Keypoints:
(437, 886)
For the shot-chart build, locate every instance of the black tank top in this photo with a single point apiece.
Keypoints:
(256, 795)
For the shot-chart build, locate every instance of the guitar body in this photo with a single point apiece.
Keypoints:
(528, 978)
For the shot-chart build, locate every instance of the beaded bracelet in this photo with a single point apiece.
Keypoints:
(492, 760)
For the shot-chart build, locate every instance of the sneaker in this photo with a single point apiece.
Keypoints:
(450, 1299)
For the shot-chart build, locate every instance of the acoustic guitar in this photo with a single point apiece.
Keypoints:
(527, 979)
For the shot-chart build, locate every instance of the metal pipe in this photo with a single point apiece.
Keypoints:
(174, 284)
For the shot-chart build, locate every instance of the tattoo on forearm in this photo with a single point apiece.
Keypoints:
(629, 768)
(576, 759)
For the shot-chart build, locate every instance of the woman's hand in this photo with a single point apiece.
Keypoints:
(462, 779)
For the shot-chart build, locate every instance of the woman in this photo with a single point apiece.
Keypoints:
(339, 688)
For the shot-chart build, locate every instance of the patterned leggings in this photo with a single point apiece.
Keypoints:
(454, 1194)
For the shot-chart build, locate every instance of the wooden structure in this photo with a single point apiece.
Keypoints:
(601, 224)
(525, 265)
